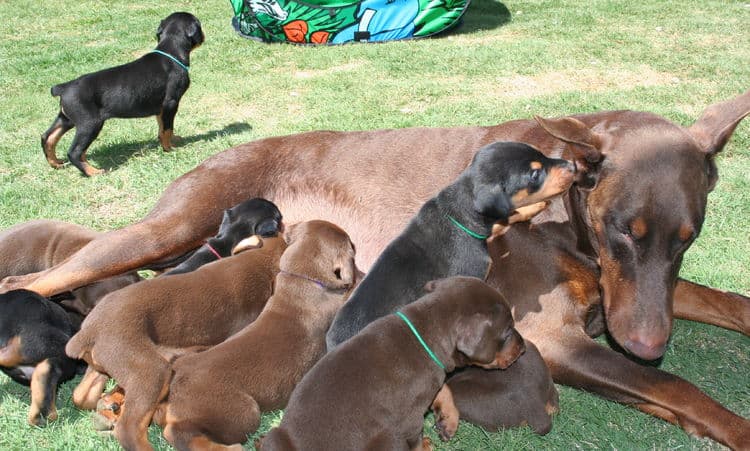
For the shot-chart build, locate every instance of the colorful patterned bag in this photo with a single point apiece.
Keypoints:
(338, 22)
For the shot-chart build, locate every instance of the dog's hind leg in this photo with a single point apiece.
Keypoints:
(189, 211)
(52, 136)
(86, 133)
(146, 382)
(44, 382)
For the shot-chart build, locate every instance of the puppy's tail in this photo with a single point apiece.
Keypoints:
(79, 344)
(57, 90)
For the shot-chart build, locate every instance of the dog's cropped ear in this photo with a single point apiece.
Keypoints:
(476, 339)
(159, 31)
(492, 202)
(585, 144)
(252, 242)
(291, 232)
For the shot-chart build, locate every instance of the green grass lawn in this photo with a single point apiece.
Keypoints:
(507, 60)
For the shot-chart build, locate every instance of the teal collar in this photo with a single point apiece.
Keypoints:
(419, 338)
(471, 233)
(172, 58)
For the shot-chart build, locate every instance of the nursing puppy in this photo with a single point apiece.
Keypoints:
(133, 333)
(447, 236)
(523, 394)
(253, 217)
(372, 391)
(218, 395)
(40, 244)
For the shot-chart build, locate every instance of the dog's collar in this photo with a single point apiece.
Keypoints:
(468, 231)
(180, 63)
(213, 251)
(421, 341)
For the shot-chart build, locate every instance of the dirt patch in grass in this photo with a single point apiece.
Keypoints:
(584, 79)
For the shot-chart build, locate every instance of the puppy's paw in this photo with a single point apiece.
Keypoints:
(427, 444)
(252, 242)
(527, 212)
(446, 424)
(36, 418)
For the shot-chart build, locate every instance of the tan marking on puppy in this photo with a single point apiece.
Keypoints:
(551, 409)
(49, 148)
(558, 181)
(426, 445)
(446, 413)
(253, 242)
(638, 228)
(10, 354)
(536, 165)
(38, 388)
(165, 139)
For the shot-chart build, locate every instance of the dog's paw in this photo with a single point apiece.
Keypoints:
(446, 425)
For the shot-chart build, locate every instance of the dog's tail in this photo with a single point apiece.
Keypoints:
(79, 344)
(57, 90)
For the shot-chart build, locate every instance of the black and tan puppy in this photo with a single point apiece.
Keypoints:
(152, 85)
(218, 395)
(40, 244)
(372, 391)
(250, 218)
(33, 334)
(523, 394)
(448, 235)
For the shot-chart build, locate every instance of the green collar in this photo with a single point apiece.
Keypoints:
(419, 337)
(172, 58)
(471, 233)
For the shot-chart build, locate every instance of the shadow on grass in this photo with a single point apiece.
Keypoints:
(114, 155)
(481, 15)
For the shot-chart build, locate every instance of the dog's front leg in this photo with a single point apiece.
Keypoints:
(711, 306)
(166, 124)
(578, 361)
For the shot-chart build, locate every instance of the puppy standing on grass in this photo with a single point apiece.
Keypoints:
(151, 85)
(448, 235)
(218, 395)
(371, 392)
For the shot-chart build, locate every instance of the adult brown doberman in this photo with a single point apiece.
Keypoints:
(615, 241)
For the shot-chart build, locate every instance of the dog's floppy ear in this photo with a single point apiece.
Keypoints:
(585, 144)
(267, 227)
(476, 339)
(492, 202)
(159, 31)
(194, 33)
(226, 222)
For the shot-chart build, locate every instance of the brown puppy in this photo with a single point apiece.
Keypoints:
(523, 394)
(37, 245)
(134, 332)
(218, 395)
(373, 390)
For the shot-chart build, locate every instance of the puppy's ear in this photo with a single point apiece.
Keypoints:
(194, 33)
(159, 31)
(291, 232)
(226, 222)
(476, 339)
(267, 227)
(492, 202)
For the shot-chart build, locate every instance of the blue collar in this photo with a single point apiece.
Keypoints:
(172, 58)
